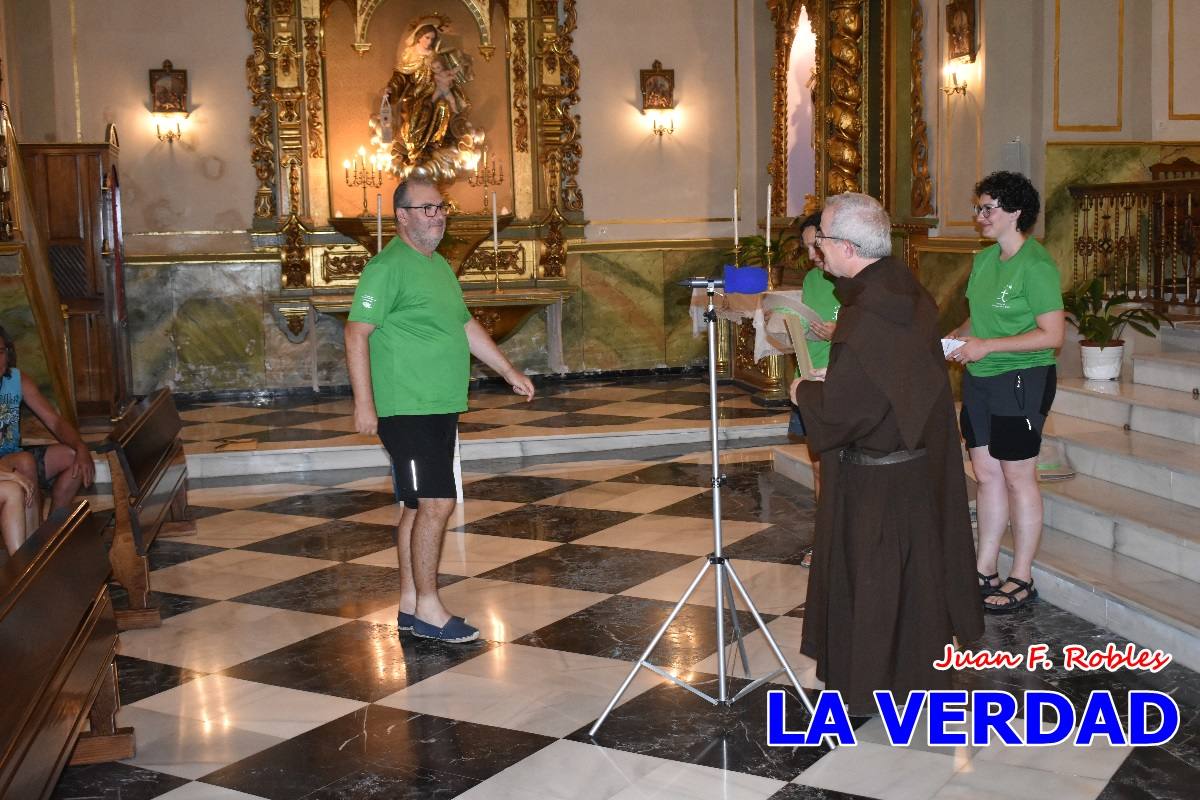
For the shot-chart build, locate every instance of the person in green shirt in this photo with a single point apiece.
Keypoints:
(409, 340)
(1016, 322)
(818, 293)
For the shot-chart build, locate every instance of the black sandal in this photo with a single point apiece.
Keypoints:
(985, 583)
(1011, 602)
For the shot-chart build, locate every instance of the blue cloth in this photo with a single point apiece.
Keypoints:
(10, 412)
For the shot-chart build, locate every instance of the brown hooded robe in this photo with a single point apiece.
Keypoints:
(893, 575)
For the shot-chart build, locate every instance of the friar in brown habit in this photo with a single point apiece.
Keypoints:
(893, 576)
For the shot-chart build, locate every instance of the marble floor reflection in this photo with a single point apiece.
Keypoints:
(278, 671)
(607, 406)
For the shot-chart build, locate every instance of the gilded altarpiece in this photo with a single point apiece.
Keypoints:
(318, 77)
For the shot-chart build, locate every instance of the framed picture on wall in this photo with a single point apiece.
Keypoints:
(168, 90)
(658, 87)
(960, 29)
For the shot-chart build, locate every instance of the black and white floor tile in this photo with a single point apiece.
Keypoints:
(278, 672)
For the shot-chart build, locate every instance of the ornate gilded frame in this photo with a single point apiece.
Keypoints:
(284, 75)
(860, 63)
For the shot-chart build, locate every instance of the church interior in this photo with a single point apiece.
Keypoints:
(189, 193)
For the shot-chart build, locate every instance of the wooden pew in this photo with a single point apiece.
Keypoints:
(149, 486)
(58, 636)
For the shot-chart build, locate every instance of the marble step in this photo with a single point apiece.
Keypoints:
(1158, 532)
(1179, 371)
(1144, 409)
(1156, 465)
(1150, 606)
(1185, 336)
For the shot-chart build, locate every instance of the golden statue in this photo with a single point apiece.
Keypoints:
(426, 95)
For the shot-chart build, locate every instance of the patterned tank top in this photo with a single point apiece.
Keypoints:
(10, 412)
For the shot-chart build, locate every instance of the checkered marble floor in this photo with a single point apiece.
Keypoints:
(575, 406)
(278, 671)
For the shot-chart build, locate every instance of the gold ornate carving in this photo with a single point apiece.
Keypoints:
(558, 126)
(844, 123)
(292, 255)
(554, 256)
(258, 80)
(743, 351)
(340, 267)
(312, 87)
(786, 16)
(921, 194)
(296, 320)
(487, 317)
(482, 263)
(520, 98)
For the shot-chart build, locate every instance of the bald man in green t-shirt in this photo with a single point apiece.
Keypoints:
(409, 342)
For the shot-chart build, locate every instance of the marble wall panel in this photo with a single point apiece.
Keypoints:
(682, 348)
(573, 315)
(16, 315)
(623, 310)
(219, 343)
(945, 276)
(151, 310)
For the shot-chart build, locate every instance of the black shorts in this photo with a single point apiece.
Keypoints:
(421, 447)
(1007, 412)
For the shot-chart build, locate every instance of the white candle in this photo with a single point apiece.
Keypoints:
(768, 216)
(378, 221)
(495, 229)
(735, 216)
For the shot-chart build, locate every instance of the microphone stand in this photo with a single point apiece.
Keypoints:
(725, 575)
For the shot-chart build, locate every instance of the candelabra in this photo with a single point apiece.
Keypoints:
(365, 171)
(487, 173)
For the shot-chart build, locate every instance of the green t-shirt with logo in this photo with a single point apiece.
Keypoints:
(817, 291)
(420, 359)
(1005, 297)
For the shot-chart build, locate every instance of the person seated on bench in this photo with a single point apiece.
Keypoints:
(16, 494)
(57, 468)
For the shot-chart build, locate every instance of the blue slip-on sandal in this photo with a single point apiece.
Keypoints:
(456, 631)
(404, 622)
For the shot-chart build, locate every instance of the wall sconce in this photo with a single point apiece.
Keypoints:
(658, 97)
(951, 84)
(168, 101)
(662, 122)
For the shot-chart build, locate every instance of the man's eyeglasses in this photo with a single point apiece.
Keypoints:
(985, 211)
(819, 237)
(431, 209)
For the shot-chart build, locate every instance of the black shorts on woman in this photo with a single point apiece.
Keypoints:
(1006, 412)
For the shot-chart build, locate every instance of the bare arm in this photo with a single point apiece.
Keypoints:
(358, 361)
(83, 466)
(1049, 333)
(483, 348)
(962, 331)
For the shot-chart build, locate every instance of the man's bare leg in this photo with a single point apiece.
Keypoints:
(408, 589)
(424, 553)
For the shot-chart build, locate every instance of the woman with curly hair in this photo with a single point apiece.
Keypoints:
(1016, 322)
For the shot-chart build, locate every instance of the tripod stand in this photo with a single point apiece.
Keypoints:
(724, 573)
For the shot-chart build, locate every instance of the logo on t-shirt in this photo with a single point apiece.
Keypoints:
(1002, 298)
(367, 301)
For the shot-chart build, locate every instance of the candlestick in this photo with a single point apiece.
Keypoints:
(735, 220)
(495, 242)
(364, 173)
(768, 216)
(378, 221)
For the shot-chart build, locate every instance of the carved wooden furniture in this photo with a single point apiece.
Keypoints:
(58, 636)
(149, 483)
(74, 192)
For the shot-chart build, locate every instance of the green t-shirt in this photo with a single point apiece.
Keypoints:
(1005, 297)
(420, 359)
(818, 295)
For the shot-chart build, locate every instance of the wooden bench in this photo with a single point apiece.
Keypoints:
(58, 636)
(149, 487)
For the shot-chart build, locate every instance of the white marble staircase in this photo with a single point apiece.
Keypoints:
(1121, 546)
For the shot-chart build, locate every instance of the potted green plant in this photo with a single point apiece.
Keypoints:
(1101, 320)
